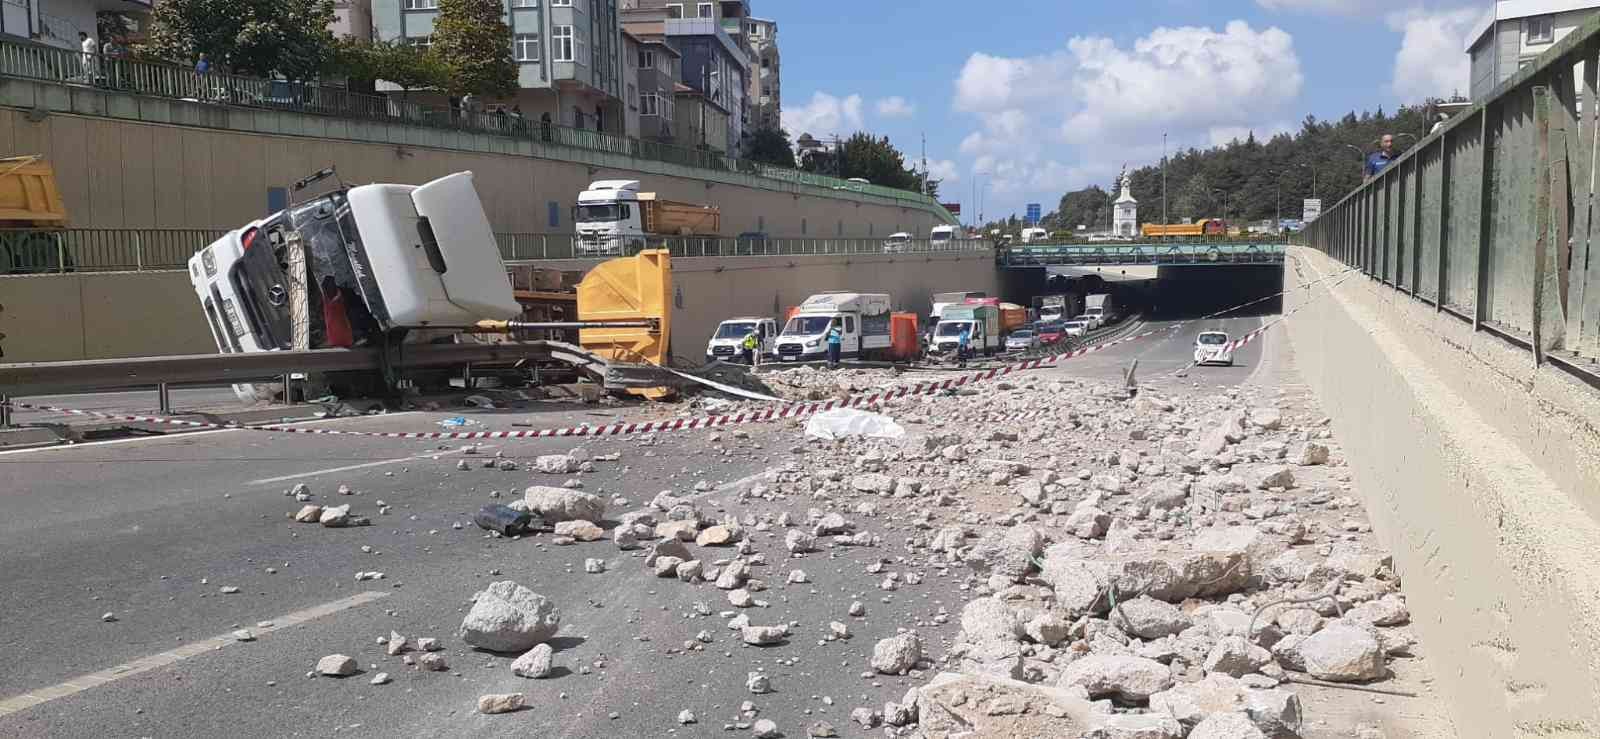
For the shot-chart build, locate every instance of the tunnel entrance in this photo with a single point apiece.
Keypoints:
(1190, 292)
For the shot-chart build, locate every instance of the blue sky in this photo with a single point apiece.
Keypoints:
(1049, 96)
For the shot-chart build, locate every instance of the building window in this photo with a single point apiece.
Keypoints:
(560, 3)
(554, 213)
(422, 4)
(647, 60)
(422, 42)
(525, 46)
(1540, 30)
(649, 104)
(524, 3)
(706, 12)
(633, 96)
(674, 10)
(561, 44)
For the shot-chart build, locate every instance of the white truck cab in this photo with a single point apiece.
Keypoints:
(862, 318)
(727, 342)
(941, 236)
(608, 218)
(897, 242)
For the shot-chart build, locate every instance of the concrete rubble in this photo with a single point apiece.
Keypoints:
(507, 617)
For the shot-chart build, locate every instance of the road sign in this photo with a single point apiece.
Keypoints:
(1311, 209)
(1034, 211)
(954, 208)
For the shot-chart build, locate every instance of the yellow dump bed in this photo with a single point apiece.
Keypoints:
(28, 194)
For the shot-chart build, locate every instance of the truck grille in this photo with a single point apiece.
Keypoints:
(722, 351)
(791, 349)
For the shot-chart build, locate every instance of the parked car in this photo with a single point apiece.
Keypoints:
(1076, 327)
(1051, 333)
(1022, 340)
(1213, 347)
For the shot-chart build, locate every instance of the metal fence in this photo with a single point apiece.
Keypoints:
(161, 79)
(41, 251)
(1198, 253)
(1490, 219)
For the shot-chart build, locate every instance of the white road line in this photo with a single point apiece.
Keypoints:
(367, 465)
(181, 435)
(81, 683)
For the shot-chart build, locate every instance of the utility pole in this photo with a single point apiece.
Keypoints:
(924, 162)
(1164, 182)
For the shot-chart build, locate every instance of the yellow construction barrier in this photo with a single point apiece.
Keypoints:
(631, 288)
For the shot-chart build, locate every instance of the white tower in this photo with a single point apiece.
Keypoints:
(1125, 212)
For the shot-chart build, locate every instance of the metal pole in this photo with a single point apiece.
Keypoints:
(5, 411)
(1164, 221)
(288, 389)
(164, 399)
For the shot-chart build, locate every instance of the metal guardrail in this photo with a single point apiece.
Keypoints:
(1491, 219)
(162, 79)
(1188, 254)
(42, 251)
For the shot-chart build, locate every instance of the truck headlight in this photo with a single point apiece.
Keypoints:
(812, 344)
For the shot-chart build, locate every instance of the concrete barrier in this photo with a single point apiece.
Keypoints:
(131, 314)
(1482, 475)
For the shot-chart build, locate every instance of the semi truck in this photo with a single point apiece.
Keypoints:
(1102, 307)
(613, 217)
(357, 266)
(980, 322)
(863, 320)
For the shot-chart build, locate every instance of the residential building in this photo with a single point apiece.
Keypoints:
(58, 22)
(766, 81)
(352, 19)
(1513, 33)
(630, 84)
(568, 53)
(702, 122)
(656, 66)
(712, 62)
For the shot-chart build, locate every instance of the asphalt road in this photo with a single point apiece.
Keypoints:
(1171, 349)
(132, 402)
(152, 528)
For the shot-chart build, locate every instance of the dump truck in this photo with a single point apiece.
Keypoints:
(613, 217)
(31, 215)
(862, 318)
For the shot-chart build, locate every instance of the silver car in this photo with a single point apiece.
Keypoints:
(1213, 347)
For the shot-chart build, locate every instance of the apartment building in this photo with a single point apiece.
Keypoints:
(1513, 33)
(766, 81)
(352, 19)
(711, 62)
(656, 66)
(58, 22)
(568, 52)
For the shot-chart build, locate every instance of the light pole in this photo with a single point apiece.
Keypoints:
(1164, 180)
(1313, 179)
(1223, 194)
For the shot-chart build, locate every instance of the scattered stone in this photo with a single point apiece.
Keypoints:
(822, 730)
(1130, 679)
(534, 663)
(1148, 618)
(897, 654)
(764, 729)
(799, 542)
(499, 703)
(309, 514)
(715, 536)
(594, 566)
(381, 678)
(686, 717)
(1236, 657)
(580, 530)
(1227, 726)
(507, 617)
(561, 504)
(1310, 453)
(758, 683)
(1340, 652)
(764, 635)
(429, 644)
(337, 665)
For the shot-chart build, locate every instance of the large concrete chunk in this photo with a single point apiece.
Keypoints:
(562, 504)
(897, 654)
(1227, 726)
(1078, 584)
(1148, 618)
(1128, 679)
(507, 617)
(1340, 652)
(990, 620)
(1009, 553)
(963, 706)
(1174, 577)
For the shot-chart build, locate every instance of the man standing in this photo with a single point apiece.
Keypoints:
(1378, 160)
(752, 347)
(90, 48)
(964, 346)
(835, 344)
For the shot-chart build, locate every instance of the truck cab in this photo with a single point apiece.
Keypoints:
(862, 318)
(727, 342)
(1034, 235)
(980, 322)
(609, 219)
(942, 237)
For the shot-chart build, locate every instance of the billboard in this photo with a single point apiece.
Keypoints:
(1311, 209)
(954, 208)
(1034, 211)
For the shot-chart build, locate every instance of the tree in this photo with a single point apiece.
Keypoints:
(1086, 207)
(255, 37)
(770, 146)
(472, 40)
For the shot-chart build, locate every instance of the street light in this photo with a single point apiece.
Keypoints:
(1223, 194)
(1313, 178)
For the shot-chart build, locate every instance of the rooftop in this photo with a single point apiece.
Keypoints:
(1508, 10)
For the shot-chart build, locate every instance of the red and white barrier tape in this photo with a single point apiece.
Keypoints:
(790, 411)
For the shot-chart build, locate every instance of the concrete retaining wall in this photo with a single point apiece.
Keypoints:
(126, 314)
(1482, 475)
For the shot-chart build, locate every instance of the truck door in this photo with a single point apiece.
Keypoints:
(852, 340)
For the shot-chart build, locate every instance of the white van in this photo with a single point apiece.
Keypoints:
(897, 243)
(727, 342)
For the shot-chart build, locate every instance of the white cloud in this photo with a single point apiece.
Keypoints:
(896, 107)
(824, 116)
(1431, 62)
(944, 170)
(1356, 8)
(1098, 104)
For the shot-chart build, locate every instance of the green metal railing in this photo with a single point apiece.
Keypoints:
(41, 251)
(1490, 219)
(1198, 253)
(161, 79)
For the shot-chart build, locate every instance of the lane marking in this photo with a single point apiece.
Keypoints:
(81, 683)
(368, 465)
(180, 436)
